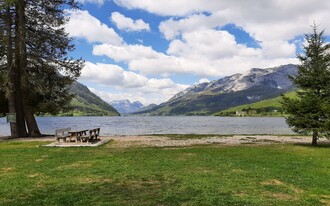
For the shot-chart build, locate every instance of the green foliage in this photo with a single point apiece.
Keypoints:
(48, 49)
(42, 52)
(309, 111)
(262, 108)
(208, 104)
(88, 104)
(84, 103)
(205, 175)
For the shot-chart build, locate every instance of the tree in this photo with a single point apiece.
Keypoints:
(309, 112)
(36, 52)
(47, 48)
(10, 41)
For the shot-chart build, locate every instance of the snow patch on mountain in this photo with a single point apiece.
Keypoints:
(276, 77)
(125, 106)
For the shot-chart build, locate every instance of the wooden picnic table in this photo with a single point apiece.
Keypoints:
(77, 134)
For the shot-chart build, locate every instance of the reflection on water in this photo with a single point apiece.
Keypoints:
(137, 125)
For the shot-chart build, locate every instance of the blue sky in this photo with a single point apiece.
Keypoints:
(148, 51)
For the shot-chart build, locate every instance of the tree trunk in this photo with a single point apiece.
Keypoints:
(17, 128)
(9, 43)
(20, 63)
(31, 122)
(315, 137)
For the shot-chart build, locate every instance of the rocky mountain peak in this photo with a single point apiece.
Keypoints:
(276, 77)
(126, 107)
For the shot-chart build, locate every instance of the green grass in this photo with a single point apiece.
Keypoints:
(269, 104)
(203, 175)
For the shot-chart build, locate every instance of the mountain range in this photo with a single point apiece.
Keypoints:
(125, 106)
(238, 89)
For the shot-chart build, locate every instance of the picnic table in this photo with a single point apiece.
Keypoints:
(66, 135)
(76, 135)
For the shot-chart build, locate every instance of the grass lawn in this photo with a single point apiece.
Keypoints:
(201, 175)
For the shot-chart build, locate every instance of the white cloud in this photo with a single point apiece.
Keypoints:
(129, 85)
(124, 52)
(99, 2)
(84, 25)
(209, 44)
(173, 28)
(128, 24)
(278, 49)
(113, 75)
(203, 80)
(169, 7)
(205, 53)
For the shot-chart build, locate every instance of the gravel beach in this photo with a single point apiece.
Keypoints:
(166, 141)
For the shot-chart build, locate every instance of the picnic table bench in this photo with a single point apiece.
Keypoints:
(93, 135)
(62, 134)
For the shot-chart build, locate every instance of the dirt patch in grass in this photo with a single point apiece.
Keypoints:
(88, 180)
(281, 185)
(280, 196)
(35, 175)
(325, 199)
(7, 169)
(272, 182)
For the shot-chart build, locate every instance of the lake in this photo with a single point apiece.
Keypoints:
(138, 125)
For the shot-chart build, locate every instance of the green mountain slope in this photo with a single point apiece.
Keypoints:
(87, 103)
(269, 107)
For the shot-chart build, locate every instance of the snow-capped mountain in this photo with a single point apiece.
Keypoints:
(125, 106)
(276, 77)
(207, 98)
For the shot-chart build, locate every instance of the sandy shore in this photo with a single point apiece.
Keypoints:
(164, 141)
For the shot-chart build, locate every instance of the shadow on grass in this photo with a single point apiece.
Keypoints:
(138, 191)
(319, 145)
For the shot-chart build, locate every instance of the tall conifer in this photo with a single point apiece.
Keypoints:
(309, 111)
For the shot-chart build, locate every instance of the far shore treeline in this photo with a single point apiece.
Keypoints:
(35, 69)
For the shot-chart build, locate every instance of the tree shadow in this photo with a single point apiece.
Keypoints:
(323, 144)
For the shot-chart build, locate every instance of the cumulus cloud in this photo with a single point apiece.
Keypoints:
(205, 53)
(210, 44)
(125, 53)
(128, 24)
(84, 25)
(169, 8)
(112, 75)
(99, 2)
(132, 85)
(203, 80)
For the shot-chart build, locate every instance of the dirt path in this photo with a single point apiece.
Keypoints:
(164, 141)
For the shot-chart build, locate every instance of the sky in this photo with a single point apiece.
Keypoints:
(149, 50)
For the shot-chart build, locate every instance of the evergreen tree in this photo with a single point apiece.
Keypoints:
(35, 52)
(309, 112)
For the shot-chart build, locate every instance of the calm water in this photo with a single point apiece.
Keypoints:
(135, 125)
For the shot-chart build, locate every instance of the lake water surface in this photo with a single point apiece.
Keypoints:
(138, 125)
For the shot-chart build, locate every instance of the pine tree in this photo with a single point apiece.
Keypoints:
(35, 52)
(309, 112)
